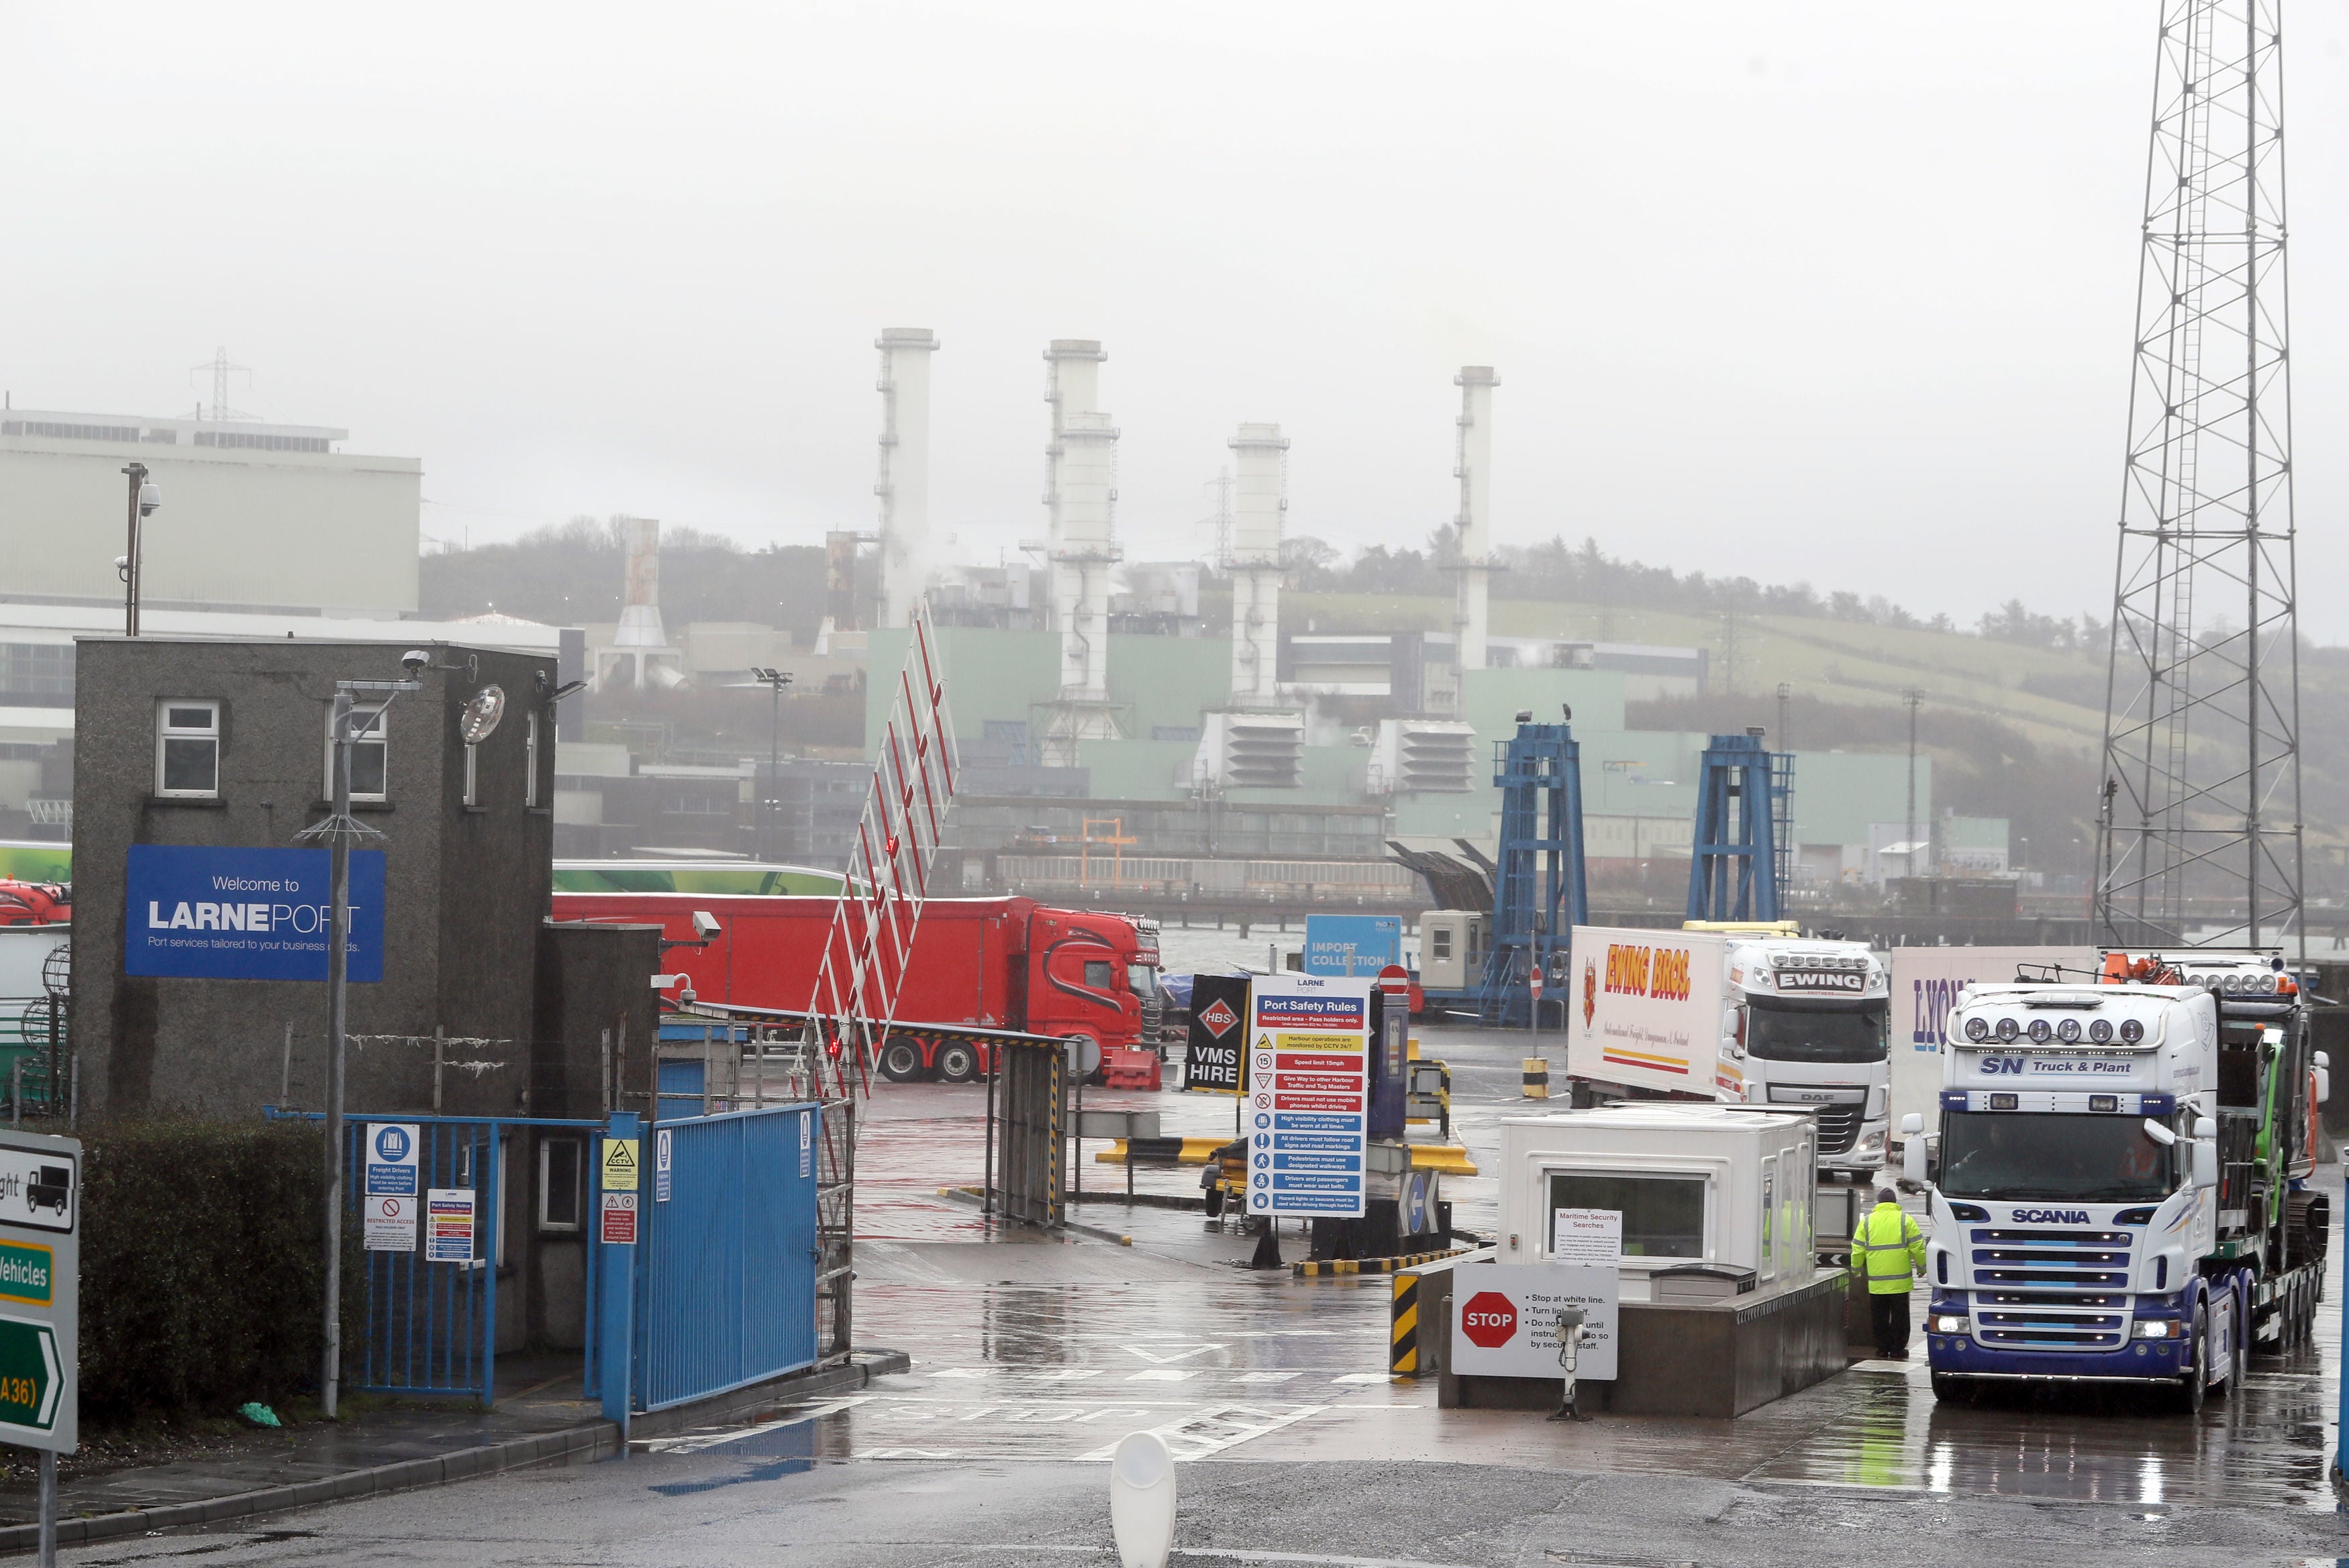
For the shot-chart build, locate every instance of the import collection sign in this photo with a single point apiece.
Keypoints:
(1352, 943)
(40, 1290)
(246, 914)
(1308, 1096)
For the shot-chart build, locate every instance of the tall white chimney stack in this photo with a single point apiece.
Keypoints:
(1259, 516)
(1474, 471)
(904, 485)
(1082, 503)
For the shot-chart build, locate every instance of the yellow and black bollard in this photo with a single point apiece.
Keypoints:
(1537, 1078)
(1404, 1323)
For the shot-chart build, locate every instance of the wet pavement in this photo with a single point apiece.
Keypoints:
(1033, 1355)
(1041, 1349)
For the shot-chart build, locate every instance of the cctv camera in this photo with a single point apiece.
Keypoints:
(705, 926)
(413, 662)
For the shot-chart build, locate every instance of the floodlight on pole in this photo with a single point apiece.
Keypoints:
(338, 829)
(774, 680)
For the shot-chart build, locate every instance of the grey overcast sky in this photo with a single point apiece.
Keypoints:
(1808, 290)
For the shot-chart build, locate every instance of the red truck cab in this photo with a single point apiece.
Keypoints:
(982, 962)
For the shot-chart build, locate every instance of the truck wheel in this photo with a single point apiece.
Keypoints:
(1950, 1390)
(957, 1061)
(901, 1061)
(2196, 1385)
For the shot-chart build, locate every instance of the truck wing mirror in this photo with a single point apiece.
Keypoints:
(1912, 1159)
(1911, 1125)
(2206, 1163)
(2159, 1133)
(2323, 1078)
(2206, 1130)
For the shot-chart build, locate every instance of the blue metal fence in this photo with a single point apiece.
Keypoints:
(725, 1279)
(432, 1324)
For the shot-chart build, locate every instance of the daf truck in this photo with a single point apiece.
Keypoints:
(2122, 1192)
(1747, 1015)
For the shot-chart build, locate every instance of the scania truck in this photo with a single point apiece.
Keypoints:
(1749, 1015)
(2121, 1196)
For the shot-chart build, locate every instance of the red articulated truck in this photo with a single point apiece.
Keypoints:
(977, 962)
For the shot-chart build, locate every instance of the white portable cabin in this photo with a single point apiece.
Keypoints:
(1696, 1184)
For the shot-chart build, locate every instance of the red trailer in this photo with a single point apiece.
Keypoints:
(983, 962)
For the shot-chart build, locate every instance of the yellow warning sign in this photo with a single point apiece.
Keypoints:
(620, 1164)
(1264, 1039)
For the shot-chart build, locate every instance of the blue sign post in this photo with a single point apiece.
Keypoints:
(1350, 944)
(246, 914)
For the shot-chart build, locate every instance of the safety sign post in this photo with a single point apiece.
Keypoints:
(40, 1307)
(1308, 1096)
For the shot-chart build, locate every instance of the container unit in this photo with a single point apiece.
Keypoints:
(1700, 1185)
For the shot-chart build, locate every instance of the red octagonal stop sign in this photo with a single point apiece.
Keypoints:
(1490, 1319)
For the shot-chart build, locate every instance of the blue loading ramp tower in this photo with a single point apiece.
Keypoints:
(1539, 895)
(1739, 861)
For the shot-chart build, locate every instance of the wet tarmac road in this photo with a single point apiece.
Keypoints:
(1028, 1349)
(1033, 1355)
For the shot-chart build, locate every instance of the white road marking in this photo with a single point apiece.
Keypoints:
(1158, 1375)
(1362, 1377)
(1162, 1360)
(694, 1442)
(1212, 1431)
(1267, 1376)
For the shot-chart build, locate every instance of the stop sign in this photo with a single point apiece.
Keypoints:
(1490, 1319)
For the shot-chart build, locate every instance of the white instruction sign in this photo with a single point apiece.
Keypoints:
(1505, 1319)
(1586, 1236)
(391, 1222)
(448, 1226)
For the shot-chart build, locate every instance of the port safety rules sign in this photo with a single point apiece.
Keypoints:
(1309, 1095)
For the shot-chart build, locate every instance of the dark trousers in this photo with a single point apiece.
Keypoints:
(1887, 1314)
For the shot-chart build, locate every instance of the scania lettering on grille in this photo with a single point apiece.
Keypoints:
(2051, 1216)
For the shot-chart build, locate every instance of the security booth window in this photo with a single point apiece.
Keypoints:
(187, 748)
(370, 763)
(561, 1186)
(1664, 1217)
(1439, 943)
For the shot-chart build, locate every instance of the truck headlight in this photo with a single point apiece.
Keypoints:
(2156, 1328)
(1952, 1325)
(1872, 1144)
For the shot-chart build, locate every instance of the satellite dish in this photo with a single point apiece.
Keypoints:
(482, 711)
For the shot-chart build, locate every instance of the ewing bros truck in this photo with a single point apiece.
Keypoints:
(2122, 1191)
(983, 963)
(1742, 1015)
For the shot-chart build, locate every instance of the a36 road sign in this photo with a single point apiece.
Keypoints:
(40, 1290)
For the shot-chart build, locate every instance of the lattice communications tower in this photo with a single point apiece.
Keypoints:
(2200, 823)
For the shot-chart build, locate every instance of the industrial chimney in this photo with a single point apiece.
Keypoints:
(1081, 502)
(1474, 472)
(1259, 513)
(640, 654)
(904, 485)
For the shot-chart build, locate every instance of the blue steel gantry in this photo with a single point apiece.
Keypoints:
(1539, 895)
(1739, 861)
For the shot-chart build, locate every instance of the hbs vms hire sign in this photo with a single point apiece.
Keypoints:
(247, 915)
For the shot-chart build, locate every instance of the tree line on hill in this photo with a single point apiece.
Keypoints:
(570, 574)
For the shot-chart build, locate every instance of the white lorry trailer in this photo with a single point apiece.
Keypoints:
(1740, 1015)
(2121, 1195)
(1926, 982)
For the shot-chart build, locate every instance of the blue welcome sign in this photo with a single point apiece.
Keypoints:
(247, 915)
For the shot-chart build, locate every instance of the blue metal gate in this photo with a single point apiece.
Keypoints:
(432, 1323)
(726, 1282)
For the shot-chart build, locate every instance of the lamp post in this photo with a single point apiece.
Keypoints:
(338, 829)
(144, 498)
(774, 680)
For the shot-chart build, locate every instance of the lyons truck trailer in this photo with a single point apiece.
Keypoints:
(2122, 1195)
(1748, 1015)
(977, 962)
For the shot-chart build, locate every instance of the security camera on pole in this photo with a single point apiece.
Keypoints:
(145, 497)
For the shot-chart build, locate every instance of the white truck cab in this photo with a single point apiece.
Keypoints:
(1806, 1030)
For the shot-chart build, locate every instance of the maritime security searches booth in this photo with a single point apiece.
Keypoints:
(1707, 1210)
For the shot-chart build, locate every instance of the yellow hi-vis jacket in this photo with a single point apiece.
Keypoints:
(1889, 1247)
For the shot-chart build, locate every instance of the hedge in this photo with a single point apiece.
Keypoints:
(201, 1266)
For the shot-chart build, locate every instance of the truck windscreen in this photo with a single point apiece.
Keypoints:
(1793, 1034)
(1141, 979)
(2003, 1156)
